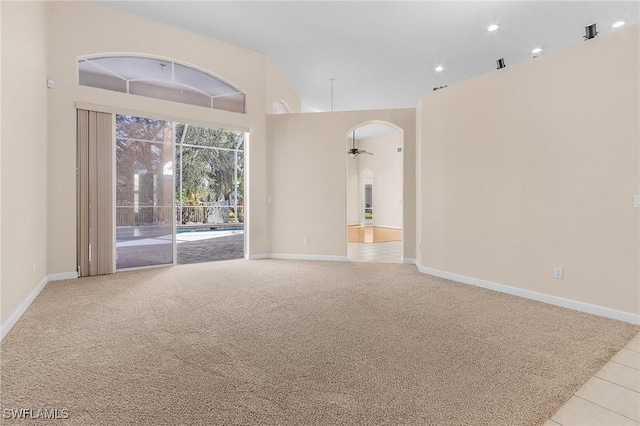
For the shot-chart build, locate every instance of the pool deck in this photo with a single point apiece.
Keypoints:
(192, 247)
(211, 249)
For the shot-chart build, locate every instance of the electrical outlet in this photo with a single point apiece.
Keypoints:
(305, 240)
(558, 273)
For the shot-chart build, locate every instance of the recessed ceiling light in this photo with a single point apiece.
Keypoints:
(492, 27)
(439, 68)
(536, 50)
(618, 24)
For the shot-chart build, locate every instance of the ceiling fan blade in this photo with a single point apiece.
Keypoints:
(365, 152)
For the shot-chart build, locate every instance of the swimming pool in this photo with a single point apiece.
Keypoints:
(213, 227)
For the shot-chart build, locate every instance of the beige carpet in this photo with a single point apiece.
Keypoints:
(291, 342)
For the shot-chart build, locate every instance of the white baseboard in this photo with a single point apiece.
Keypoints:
(534, 295)
(63, 276)
(409, 261)
(256, 256)
(323, 257)
(13, 319)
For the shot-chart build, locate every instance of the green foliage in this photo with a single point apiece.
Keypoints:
(208, 174)
(143, 147)
(146, 170)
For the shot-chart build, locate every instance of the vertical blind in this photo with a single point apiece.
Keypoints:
(95, 193)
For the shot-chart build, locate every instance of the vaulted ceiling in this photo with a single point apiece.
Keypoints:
(383, 54)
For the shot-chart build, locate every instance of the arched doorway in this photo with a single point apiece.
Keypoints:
(375, 193)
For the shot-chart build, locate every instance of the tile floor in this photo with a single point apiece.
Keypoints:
(611, 397)
(375, 252)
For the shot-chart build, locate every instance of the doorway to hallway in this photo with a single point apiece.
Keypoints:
(375, 193)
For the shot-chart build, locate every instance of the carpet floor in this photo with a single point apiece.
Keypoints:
(296, 342)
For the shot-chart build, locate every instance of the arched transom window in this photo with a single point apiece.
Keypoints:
(161, 79)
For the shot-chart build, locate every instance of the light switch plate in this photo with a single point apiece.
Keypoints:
(636, 201)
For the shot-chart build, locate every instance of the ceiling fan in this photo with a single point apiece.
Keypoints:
(354, 152)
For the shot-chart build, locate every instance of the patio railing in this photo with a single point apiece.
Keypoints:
(143, 215)
(210, 213)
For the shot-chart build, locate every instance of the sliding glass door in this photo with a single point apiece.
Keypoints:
(188, 207)
(209, 176)
(144, 192)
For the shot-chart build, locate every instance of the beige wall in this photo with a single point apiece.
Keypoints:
(386, 166)
(534, 167)
(419, 186)
(279, 90)
(354, 216)
(85, 28)
(1, 180)
(307, 179)
(24, 152)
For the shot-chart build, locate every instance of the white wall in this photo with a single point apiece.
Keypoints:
(354, 203)
(386, 165)
(307, 163)
(535, 166)
(24, 152)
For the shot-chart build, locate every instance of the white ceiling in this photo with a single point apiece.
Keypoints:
(382, 54)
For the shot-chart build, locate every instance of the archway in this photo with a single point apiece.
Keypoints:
(375, 192)
(280, 107)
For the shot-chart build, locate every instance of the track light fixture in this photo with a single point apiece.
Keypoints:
(590, 32)
(500, 63)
